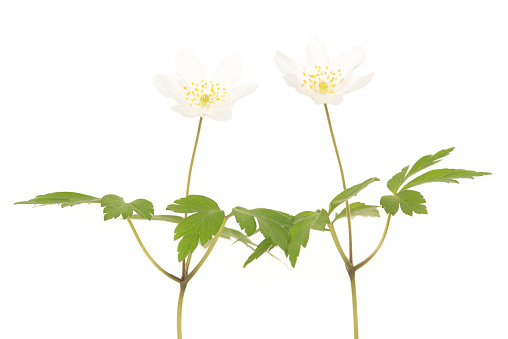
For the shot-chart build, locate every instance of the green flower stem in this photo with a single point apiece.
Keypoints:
(348, 212)
(187, 277)
(193, 156)
(183, 286)
(208, 251)
(186, 263)
(360, 265)
(355, 305)
(349, 263)
(169, 275)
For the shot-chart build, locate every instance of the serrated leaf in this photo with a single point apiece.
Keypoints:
(443, 175)
(114, 206)
(245, 220)
(143, 208)
(299, 234)
(390, 204)
(272, 224)
(169, 218)
(411, 201)
(349, 193)
(397, 180)
(428, 160)
(229, 233)
(408, 200)
(193, 204)
(359, 209)
(315, 226)
(199, 227)
(61, 198)
(263, 247)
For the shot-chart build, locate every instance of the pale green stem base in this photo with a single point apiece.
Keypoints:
(349, 262)
(183, 286)
(355, 305)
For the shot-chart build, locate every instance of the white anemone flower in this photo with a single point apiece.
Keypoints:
(324, 81)
(199, 95)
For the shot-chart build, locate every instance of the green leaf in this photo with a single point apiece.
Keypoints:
(390, 204)
(169, 218)
(444, 175)
(428, 160)
(397, 180)
(245, 220)
(272, 224)
(193, 204)
(61, 198)
(408, 200)
(411, 201)
(349, 193)
(229, 233)
(299, 234)
(199, 227)
(359, 209)
(263, 247)
(143, 208)
(114, 206)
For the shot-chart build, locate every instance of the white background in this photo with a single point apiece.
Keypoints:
(79, 113)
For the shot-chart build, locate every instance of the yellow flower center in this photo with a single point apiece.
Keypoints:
(323, 81)
(205, 94)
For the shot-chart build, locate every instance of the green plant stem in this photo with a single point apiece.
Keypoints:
(349, 262)
(348, 211)
(169, 275)
(349, 266)
(193, 156)
(355, 305)
(183, 286)
(360, 265)
(186, 263)
(208, 251)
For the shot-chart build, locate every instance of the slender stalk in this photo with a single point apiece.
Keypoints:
(169, 275)
(348, 212)
(183, 286)
(349, 263)
(355, 305)
(208, 251)
(360, 265)
(186, 264)
(349, 266)
(193, 155)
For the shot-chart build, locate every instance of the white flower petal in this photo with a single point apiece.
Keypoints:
(169, 86)
(228, 71)
(240, 91)
(185, 110)
(347, 61)
(317, 54)
(355, 82)
(332, 99)
(292, 80)
(188, 67)
(287, 65)
(222, 115)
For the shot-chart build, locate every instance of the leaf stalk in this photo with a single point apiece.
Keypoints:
(169, 275)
